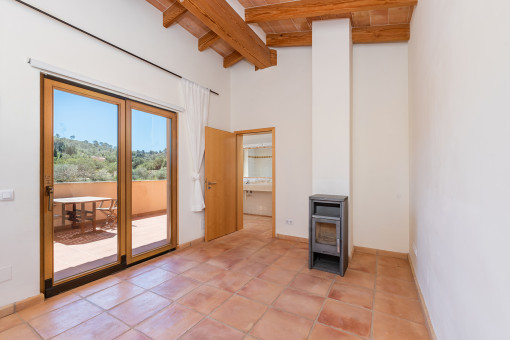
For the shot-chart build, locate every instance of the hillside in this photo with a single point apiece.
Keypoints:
(84, 161)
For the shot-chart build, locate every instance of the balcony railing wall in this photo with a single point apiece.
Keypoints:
(148, 196)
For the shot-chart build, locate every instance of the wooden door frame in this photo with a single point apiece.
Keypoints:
(132, 105)
(240, 166)
(48, 85)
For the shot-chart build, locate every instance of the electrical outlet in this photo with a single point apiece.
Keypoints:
(7, 195)
(289, 221)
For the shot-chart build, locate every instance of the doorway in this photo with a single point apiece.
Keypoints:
(256, 179)
(108, 184)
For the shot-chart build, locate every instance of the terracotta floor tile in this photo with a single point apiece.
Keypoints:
(241, 251)
(277, 275)
(9, 321)
(60, 320)
(311, 284)
(212, 330)
(205, 299)
(186, 285)
(110, 297)
(230, 281)
(249, 267)
(398, 287)
(170, 323)
(224, 261)
(276, 324)
(126, 274)
(401, 307)
(354, 277)
(176, 287)
(133, 335)
(391, 272)
(254, 244)
(363, 262)
(291, 263)
(298, 253)
(298, 302)
(151, 278)
(322, 332)
(392, 261)
(318, 273)
(48, 305)
(284, 244)
(355, 295)
(103, 326)
(22, 332)
(265, 256)
(364, 250)
(387, 327)
(202, 255)
(139, 308)
(346, 317)
(96, 286)
(178, 265)
(239, 312)
(261, 291)
(203, 272)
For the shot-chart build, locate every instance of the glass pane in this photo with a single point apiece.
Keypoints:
(325, 233)
(151, 165)
(85, 184)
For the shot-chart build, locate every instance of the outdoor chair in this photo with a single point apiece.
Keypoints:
(110, 212)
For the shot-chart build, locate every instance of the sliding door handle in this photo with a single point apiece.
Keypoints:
(49, 192)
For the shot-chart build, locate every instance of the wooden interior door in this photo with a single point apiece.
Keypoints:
(220, 185)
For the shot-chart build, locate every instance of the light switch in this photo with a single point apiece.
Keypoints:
(7, 195)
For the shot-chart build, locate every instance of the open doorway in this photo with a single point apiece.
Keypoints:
(256, 180)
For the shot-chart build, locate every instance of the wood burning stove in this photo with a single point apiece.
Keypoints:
(328, 233)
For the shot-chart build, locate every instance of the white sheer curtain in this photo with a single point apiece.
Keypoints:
(196, 99)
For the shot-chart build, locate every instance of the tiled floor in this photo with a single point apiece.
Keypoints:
(242, 286)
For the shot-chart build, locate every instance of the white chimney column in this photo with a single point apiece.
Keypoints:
(332, 110)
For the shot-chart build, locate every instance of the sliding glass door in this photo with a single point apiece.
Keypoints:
(152, 168)
(108, 183)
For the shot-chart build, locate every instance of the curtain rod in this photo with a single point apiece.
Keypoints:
(104, 41)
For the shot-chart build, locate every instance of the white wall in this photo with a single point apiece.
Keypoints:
(25, 33)
(331, 107)
(460, 217)
(281, 97)
(381, 147)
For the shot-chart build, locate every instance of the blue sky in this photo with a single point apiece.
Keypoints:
(91, 119)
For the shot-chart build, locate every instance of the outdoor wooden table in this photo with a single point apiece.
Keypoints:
(82, 201)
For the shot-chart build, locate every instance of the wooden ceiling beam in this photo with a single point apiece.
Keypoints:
(172, 14)
(381, 34)
(205, 41)
(360, 35)
(274, 59)
(232, 59)
(314, 8)
(229, 26)
(289, 39)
